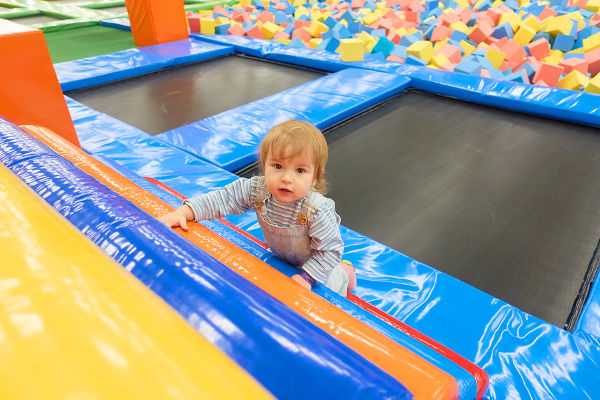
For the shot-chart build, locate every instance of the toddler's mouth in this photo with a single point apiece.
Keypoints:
(285, 190)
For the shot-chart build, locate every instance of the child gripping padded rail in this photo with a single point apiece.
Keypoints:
(299, 223)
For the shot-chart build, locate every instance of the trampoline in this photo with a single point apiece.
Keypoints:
(89, 41)
(170, 98)
(502, 201)
(36, 19)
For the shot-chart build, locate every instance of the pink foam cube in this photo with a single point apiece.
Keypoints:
(194, 23)
(539, 49)
(302, 34)
(452, 53)
(254, 32)
(593, 59)
(481, 33)
(577, 64)
(441, 32)
(548, 73)
(237, 30)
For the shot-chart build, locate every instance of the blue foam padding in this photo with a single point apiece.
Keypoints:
(241, 44)
(588, 325)
(97, 70)
(232, 313)
(119, 23)
(537, 100)
(139, 151)
(229, 140)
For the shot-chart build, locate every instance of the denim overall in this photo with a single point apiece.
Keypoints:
(292, 243)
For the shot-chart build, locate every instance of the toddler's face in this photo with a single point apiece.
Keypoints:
(289, 178)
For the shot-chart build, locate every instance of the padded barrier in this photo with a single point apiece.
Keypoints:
(74, 319)
(229, 311)
(92, 71)
(422, 378)
(229, 140)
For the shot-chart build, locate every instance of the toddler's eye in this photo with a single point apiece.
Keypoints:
(277, 166)
(300, 170)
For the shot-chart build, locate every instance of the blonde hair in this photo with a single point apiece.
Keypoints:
(295, 137)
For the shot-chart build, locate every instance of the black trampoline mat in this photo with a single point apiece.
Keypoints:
(506, 202)
(164, 100)
(36, 19)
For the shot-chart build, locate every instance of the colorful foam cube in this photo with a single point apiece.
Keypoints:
(593, 85)
(481, 33)
(524, 35)
(384, 46)
(351, 50)
(495, 56)
(422, 49)
(194, 22)
(548, 73)
(470, 67)
(539, 48)
(563, 42)
(574, 80)
(593, 59)
(575, 64)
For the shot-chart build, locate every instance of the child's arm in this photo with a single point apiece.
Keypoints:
(326, 243)
(231, 199)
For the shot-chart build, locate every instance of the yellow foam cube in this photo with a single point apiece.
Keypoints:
(438, 60)
(593, 5)
(497, 3)
(532, 22)
(317, 27)
(593, 85)
(314, 42)
(269, 29)
(207, 26)
(204, 12)
(459, 26)
(524, 35)
(284, 41)
(439, 44)
(244, 2)
(422, 49)
(467, 47)
(380, 5)
(555, 57)
(369, 19)
(222, 20)
(300, 11)
(495, 56)
(513, 19)
(592, 42)
(524, 3)
(554, 26)
(574, 80)
(316, 16)
(351, 50)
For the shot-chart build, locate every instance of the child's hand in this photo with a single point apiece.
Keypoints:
(178, 217)
(301, 281)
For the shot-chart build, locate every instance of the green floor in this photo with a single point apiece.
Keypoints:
(85, 42)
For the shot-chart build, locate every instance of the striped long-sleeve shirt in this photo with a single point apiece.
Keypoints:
(323, 228)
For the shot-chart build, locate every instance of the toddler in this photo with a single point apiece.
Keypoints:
(299, 224)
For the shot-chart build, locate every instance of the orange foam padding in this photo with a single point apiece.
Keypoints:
(421, 378)
(29, 89)
(156, 21)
